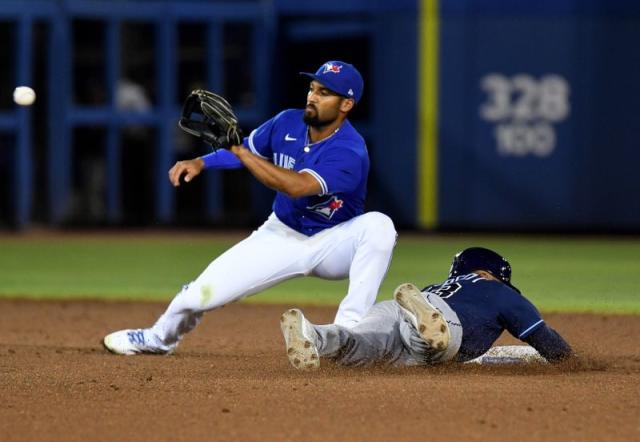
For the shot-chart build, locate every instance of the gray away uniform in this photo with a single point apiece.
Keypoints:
(383, 336)
(477, 311)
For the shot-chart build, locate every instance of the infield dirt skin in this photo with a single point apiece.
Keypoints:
(230, 380)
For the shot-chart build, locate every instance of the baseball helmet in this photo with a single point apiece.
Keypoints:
(479, 258)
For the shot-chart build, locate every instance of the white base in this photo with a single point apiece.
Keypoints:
(509, 354)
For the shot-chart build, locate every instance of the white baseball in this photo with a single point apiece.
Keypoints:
(24, 95)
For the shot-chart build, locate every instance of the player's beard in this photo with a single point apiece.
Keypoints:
(312, 118)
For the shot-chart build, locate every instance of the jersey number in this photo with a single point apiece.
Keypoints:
(446, 290)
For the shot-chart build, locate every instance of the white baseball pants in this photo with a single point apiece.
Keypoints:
(360, 249)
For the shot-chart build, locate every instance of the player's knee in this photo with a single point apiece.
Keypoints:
(381, 228)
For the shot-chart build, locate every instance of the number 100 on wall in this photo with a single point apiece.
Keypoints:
(523, 110)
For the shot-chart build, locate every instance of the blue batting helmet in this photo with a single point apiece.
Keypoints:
(479, 258)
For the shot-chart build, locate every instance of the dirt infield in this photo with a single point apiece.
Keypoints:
(230, 380)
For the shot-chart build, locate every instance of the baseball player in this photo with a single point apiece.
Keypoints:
(457, 320)
(318, 164)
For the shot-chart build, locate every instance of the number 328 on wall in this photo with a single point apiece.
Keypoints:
(524, 110)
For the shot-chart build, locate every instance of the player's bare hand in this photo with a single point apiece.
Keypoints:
(189, 168)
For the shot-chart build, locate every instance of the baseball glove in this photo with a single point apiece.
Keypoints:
(210, 117)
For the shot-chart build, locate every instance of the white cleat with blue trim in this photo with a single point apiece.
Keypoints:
(132, 342)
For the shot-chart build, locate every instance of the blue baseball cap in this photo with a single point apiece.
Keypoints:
(342, 78)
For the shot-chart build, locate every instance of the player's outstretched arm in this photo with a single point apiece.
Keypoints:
(549, 344)
(189, 168)
(293, 184)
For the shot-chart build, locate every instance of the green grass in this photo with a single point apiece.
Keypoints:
(577, 274)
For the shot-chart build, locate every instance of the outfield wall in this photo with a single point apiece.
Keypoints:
(538, 121)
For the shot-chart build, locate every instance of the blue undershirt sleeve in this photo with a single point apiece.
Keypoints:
(221, 159)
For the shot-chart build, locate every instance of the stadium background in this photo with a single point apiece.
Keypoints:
(479, 115)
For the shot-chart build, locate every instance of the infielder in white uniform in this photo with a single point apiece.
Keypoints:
(318, 164)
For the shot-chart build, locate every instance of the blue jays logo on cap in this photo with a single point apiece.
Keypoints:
(330, 67)
(340, 77)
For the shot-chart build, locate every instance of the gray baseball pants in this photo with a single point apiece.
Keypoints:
(384, 337)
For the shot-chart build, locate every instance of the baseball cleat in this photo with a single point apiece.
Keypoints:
(300, 340)
(427, 320)
(131, 342)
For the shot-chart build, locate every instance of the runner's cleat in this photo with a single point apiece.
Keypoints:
(427, 320)
(300, 340)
